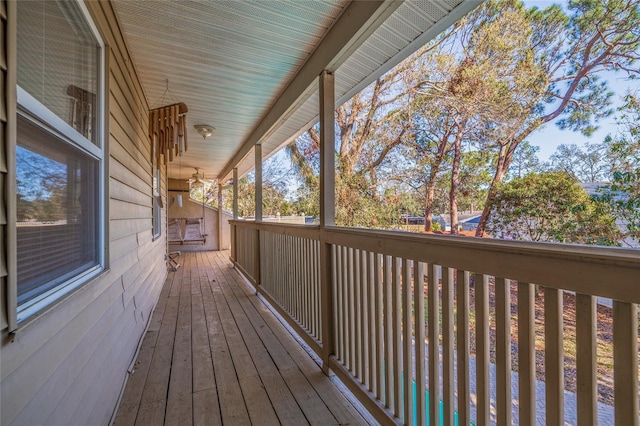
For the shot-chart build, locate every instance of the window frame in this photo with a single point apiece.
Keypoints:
(31, 109)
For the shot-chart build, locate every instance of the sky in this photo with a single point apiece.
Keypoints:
(548, 137)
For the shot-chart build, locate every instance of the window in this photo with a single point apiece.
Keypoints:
(59, 153)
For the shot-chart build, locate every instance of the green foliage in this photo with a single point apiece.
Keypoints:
(550, 206)
(622, 194)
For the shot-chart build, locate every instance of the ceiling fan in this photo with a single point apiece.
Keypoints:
(196, 178)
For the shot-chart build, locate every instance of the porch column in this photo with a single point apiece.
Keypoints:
(220, 217)
(327, 210)
(232, 229)
(235, 193)
(258, 167)
(258, 218)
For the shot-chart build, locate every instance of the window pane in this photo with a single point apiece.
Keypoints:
(57, 209)
(58, 61)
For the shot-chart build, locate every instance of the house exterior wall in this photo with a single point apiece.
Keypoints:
(67, 364)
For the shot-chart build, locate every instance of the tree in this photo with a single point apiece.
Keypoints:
(369, 127)
(572, 50)
(525, 161)
(550, 206)
(622, 194)
(588, 164)
(474, 76)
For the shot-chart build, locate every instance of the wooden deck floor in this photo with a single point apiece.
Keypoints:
(215, 354)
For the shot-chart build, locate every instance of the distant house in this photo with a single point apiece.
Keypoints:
(468, 221)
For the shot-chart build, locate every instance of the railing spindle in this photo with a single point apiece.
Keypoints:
(371, 321)
(357, 287)
(434, 346)
(625, 362)
(586, 386)
(345, 307)
(481, 286)
(421, 385)
(553, 356)
(448, 389)
(397, 330)
(388, 333)
(364, 335)
(526, 354)
(503, 351)
(351, 312)
(407, 328)
(379, 330)
(337, 307)
(462, 346)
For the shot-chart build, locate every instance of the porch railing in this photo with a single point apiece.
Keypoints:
(421, 325)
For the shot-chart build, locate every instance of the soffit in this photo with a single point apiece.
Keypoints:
(230, 61)
(227, 60)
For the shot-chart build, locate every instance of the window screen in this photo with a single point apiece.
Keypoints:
(58, 61)
(56, 211)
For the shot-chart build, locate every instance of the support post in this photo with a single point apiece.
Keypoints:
(258, 169)
(327, 210)
(235, 193)
(258, 216)
(234, 240)
(220, 217)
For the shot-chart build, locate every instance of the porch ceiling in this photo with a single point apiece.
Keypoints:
(248, 67)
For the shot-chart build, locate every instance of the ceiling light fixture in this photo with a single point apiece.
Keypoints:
(204, 130)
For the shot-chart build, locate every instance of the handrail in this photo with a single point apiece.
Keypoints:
(610, 272)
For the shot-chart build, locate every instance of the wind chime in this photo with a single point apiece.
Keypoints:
(168, 131)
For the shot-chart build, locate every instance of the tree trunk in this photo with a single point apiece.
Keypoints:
(501, 170)
(428, 205)
(455, 181)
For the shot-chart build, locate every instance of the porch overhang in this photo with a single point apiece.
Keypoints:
(250, 68)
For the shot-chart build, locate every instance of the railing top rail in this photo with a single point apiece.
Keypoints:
(607, 272)
(296, 230)
(611, 272)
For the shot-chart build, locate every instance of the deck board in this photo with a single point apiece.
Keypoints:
(215, 354)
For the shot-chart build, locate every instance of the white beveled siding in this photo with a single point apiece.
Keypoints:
(67, 366)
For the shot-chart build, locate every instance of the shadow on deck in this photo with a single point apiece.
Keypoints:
(215, 354)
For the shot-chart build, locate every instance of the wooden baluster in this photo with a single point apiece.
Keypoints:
(553, 356)
(434, 346)
(448, 389)
(357, 291)
(586, 378)
(378, 275)
(526, 354)
(407, 328)
(625, 363)
(388, 333)
(503, 351)
(397, 330)
(421, 385)
(462, 346)
(481, 286)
